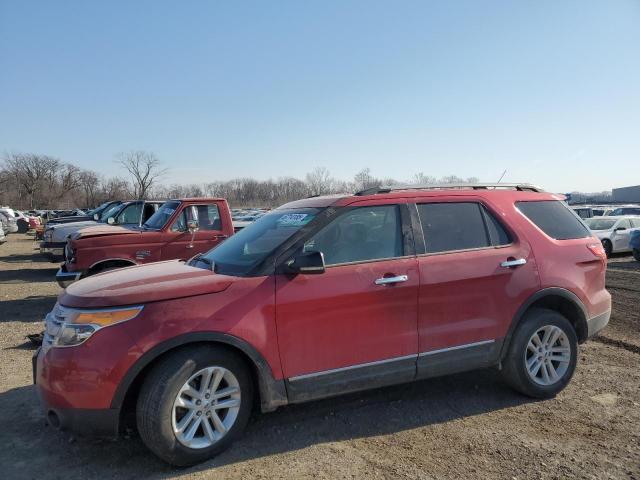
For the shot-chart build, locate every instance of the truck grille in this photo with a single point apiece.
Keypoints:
(53, 323)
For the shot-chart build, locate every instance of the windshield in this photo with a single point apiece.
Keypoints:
(600, 223)
(97, 209)
(250, 246)
(158, 219)
(110, 212)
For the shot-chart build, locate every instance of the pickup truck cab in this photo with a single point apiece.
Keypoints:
(179, 229)
(130, 214)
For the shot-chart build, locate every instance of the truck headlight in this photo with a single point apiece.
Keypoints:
(76, 326)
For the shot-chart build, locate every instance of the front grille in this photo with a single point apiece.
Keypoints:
(53, 323)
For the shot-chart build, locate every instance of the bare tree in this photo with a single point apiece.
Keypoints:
(363, 179)
(145, 169)
(320, 181)
(35, 175)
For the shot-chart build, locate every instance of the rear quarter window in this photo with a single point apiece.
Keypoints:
(555, 219)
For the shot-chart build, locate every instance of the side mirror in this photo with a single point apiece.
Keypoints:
(111, 220)
(309, 263)
(193, 226)
(96, 216)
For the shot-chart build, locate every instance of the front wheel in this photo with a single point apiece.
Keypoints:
(542, 355)
(636, 254)
(608, 247)
(193, 404)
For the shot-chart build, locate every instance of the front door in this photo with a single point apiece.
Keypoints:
(353, 326)
(183, 244)
(621, 238)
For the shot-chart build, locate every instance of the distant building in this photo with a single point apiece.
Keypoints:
(627, 194)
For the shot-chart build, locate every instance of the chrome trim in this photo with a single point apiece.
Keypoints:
(457, 347)
(391, 280)
(350, 367)
(514, 263)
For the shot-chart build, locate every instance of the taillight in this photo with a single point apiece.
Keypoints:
(598, 250)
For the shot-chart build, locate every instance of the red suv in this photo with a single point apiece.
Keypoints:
(324, 296)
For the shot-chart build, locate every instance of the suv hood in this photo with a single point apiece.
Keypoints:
(143, 284)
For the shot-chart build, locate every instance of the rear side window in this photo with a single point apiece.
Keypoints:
(454, 226)
(555, 219)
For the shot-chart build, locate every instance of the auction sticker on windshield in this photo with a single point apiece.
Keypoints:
(294, 219)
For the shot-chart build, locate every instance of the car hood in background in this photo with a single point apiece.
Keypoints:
(143, 284)
(62, 230)
(101, 229)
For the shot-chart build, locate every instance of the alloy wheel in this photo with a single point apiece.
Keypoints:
(548, 355)
(206, 407)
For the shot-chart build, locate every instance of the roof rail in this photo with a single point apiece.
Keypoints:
(452, 186)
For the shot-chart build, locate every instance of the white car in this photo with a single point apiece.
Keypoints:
(8, 221)
(614, 231)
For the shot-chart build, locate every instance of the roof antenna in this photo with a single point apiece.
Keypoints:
(502, 176)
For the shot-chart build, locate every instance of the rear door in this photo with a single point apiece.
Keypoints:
(474, 275)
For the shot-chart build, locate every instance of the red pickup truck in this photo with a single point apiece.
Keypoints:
(179, 229)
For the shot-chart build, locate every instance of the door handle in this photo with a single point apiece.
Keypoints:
(513, 263)
(391, 280)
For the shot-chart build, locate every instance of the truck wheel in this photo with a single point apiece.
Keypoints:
(542, 355)
(636, 254)
(608, 248)
(194, 404)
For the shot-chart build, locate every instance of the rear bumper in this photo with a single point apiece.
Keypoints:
(597, 323)
(52, 249)
(65, 278)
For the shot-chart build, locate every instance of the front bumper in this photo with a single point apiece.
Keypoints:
(53, 249)
(103, 422)
(65, 278)
(597, 323)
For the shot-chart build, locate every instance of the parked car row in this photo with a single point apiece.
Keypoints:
(319, 297)
(16, 221)
(589, 211)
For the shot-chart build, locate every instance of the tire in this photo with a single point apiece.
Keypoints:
(636, 254)
(608, 247)
(515, 372)
(23, 226)
(158, 417)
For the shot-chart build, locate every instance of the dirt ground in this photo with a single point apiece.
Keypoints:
(463, 426)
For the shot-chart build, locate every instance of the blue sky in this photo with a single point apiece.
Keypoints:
(549, 90)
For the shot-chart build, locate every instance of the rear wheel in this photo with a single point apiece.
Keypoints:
(636, 254)
(193, 404)
(542, 355)
(608, 247)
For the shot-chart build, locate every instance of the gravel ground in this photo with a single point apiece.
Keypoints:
(462, 426)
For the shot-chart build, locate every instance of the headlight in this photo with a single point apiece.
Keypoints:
(67, 327)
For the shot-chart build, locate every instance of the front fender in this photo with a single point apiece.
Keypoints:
(272, 392)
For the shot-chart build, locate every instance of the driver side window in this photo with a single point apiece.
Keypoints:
(180, 224)
(364, 233)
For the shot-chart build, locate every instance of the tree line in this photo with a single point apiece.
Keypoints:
(29, 181)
